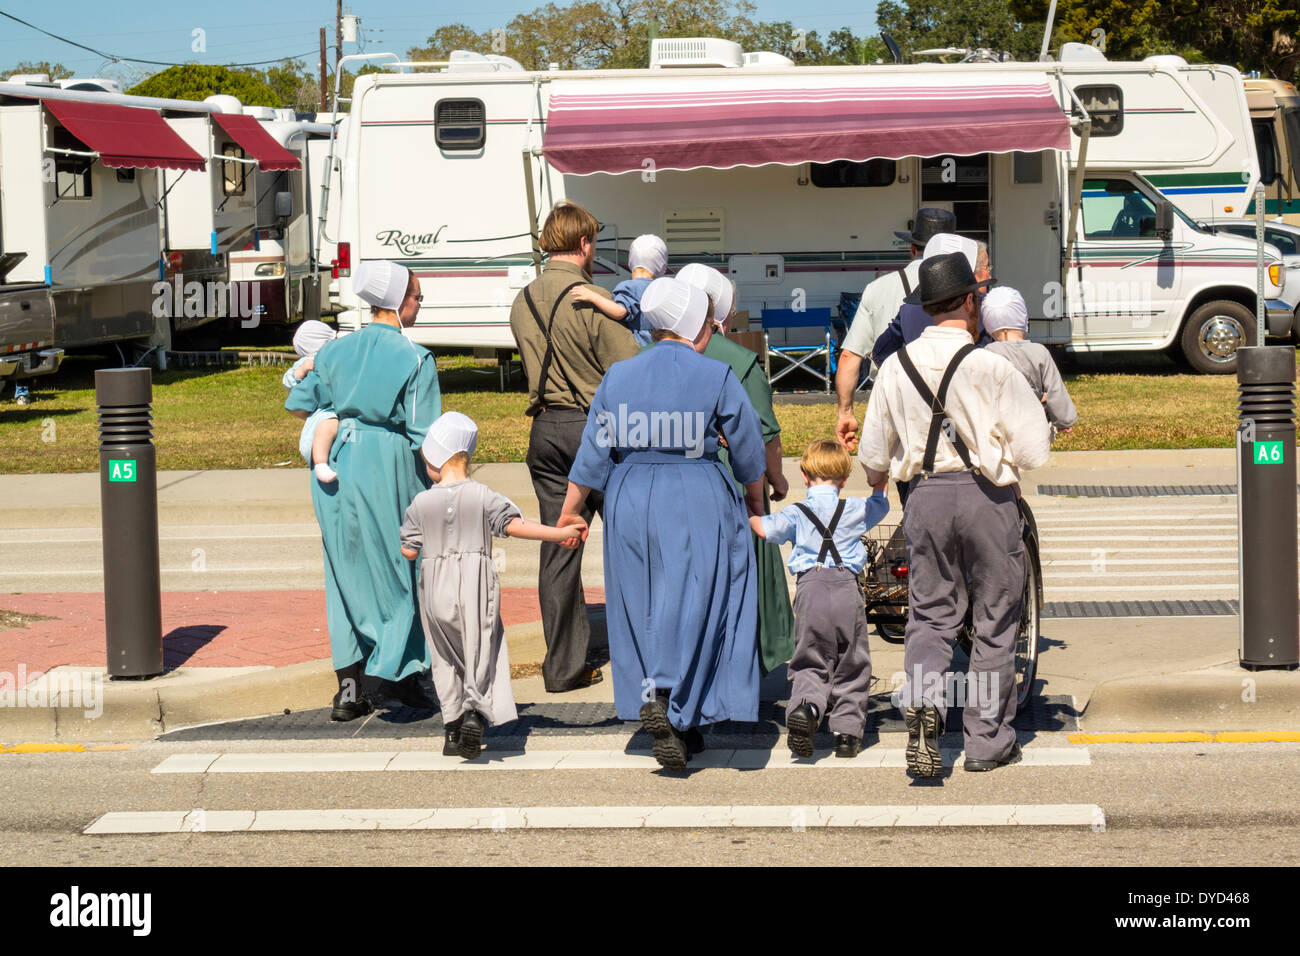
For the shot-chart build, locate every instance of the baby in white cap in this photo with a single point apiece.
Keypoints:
(452, 524)
(322, 425)
(648, 259)
(1006, 318)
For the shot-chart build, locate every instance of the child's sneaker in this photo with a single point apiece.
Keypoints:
(801, 725)
(471, 735)
(325, 474)
(451, 745)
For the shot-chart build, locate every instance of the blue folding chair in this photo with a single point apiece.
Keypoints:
(800, 356)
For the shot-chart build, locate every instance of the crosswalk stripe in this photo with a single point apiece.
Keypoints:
(434, 761)
(599, 817)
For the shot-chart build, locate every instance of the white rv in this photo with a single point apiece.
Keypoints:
(793, 180)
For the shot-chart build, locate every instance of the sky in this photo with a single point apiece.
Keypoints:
(243, 31)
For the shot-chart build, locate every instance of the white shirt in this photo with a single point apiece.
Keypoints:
(881, 300)
(990, 404)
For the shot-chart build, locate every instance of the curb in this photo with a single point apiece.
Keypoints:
(1219, 698)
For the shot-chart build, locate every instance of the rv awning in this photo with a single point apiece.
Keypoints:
(257, 142)
(726, 120)
(125, 136)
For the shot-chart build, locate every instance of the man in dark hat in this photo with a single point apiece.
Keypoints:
(956, 424)
(881, 300)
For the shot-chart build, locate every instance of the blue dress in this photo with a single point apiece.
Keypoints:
(384, 389)
(681, 582)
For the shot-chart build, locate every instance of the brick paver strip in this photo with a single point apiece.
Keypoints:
(201, 628)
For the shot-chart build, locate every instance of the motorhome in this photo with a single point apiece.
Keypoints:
(793, 180)
(284, 259)
(1275, 116)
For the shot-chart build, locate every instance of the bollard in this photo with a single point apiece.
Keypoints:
(128, 494)
(1266, 508)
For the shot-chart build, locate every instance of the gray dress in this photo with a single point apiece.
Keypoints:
(452, 525)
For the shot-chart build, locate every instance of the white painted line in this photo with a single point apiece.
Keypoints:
(1047, 566)
(434, 761)
(604, 818)
(1138, 562)
(1158, 589)
(190, 571)
(1190, 536)
(1126, 550)
(187, 537)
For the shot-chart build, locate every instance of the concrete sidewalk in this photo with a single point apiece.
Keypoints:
(240, 650)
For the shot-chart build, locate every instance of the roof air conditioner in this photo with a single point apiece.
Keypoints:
(682, 52)
(767, 58)
(1081, 53)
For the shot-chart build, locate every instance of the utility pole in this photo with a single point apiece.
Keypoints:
(338, 34)
(324, 101)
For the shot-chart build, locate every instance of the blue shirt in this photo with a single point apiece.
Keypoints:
(628, 294)
(791, 524)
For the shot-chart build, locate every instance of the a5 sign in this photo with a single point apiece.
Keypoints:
(123, 469)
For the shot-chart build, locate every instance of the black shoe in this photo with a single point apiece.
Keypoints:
(350, 709)
(451, 745)
(924, 727)
(694, 741)
(471, 735)
(801, 725)
(591, 674)
(979, 766)
(846, 745)
(669, 747)
(408, 692)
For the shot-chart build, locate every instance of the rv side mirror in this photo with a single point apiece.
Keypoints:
(1165, 220)
(283, 205)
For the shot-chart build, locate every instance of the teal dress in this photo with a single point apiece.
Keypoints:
(384, 389)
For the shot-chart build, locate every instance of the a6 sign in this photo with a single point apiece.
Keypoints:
(1268, 453)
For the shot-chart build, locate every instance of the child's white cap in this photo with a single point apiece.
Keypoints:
(943, 243)
(381, 283)
(675, 306)
(310, 336)
(451, 433)
(1004, 308)
(714, 284)
(648, 252)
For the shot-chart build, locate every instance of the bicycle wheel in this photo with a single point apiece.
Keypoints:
(1026, 651)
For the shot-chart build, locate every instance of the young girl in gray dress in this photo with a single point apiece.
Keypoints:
(453, 524)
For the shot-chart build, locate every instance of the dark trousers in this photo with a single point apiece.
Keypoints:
(832, 659)
(552, 445)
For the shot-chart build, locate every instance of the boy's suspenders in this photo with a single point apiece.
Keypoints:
(937, 413)
(534, 410)
(827, 531)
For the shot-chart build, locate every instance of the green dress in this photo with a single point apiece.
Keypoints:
(775, 618)
(384, 389)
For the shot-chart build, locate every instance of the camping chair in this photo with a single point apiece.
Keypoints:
(821, 351)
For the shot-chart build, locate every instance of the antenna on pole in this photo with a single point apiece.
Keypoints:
(892, 47)
(1047, 32)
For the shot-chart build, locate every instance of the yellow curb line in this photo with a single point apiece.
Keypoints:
(43, 749)
(1192, 737)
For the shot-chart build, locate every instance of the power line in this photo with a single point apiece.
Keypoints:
(131, 59)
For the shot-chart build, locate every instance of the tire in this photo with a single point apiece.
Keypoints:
(1026, 649)
(1213, 333)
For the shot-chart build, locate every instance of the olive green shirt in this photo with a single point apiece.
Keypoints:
(749, 370)
(586, 342)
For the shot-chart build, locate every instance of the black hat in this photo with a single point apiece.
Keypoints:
(929, 221)
(947, 277)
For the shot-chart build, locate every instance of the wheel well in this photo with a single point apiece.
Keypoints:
(1231, 293)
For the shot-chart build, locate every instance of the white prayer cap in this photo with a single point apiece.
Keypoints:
(945, 242)
(675, 306)
(310, 336)
(648, 252)
(451, 433)
(381, 283)
(1004, 308)
(714, 284)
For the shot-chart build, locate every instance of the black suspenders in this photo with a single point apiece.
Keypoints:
(937, 414)
(550, 350)
(827, 531)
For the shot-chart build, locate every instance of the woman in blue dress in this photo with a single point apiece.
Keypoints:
(384, 389)
(680, 575)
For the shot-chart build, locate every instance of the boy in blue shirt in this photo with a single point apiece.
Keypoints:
(647, 257)
(832, 661)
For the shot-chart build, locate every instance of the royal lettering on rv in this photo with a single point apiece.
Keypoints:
(408, 243)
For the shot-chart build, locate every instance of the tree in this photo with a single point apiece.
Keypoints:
(294, 85)
(195, 81)
(971, 24)
(55, 71)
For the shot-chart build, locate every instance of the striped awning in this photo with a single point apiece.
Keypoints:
(125, 137)
(686, 122)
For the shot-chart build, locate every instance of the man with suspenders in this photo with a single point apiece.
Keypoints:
(565, 348)
(956, 423)
(881, 300)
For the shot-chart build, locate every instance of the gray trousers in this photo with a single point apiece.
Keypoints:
(832, 660)
(964, 548)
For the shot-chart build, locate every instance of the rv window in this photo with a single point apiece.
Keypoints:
(1266, 149)
(1116, 209)
(1027, 169)
(1105, 105)
(233, 174)
(460, 124)
(71, 173)
(842, 172)
(1292, 119)
(126, 175)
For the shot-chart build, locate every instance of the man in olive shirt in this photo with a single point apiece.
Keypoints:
(565, 347)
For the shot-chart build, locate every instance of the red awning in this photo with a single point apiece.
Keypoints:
(617, 125)
(125, 136)
(257, 142)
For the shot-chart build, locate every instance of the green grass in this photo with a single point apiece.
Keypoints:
(235, 418)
